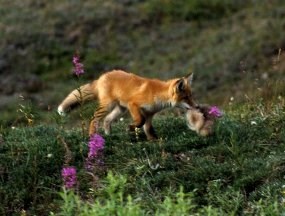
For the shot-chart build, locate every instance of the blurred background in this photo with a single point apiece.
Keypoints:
(235, 48)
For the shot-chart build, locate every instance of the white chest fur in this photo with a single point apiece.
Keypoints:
(157, 106)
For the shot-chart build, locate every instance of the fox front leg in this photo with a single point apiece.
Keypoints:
(149, 130)
(138, 118)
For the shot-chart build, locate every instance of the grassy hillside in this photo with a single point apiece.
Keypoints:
(238, 170)
(236, 53)
(233, 48)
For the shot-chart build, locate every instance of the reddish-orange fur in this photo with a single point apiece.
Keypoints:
(118, 91)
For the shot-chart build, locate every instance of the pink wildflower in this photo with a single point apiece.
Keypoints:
(69, 177)
(78, 67)
(215, 111)
(96, 145)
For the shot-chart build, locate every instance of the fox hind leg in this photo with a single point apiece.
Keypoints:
(100, 112)
(113, 115)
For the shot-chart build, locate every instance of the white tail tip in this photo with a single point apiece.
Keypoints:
(60, 111)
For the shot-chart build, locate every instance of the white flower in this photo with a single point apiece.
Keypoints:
(49, 155)
(253, 123)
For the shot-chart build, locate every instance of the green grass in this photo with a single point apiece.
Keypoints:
(238, 170)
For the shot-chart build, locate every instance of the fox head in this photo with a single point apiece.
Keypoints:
(182, 93)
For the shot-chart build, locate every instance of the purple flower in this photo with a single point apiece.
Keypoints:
(96, 145)
(78, 67)
(69, 177)
(215, 111)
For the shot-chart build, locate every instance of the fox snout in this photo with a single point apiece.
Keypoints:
(193, 104)
(189, 105)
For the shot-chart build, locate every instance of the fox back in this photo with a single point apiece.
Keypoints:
(122, 87)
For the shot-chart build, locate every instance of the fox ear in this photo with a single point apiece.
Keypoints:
(180, 85)
(189, 78)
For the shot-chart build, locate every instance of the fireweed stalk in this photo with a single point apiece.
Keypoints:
(96, 145)
(68, 173)
(78, 70)
(69, 177)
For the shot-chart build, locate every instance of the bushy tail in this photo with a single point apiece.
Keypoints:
(83, 93)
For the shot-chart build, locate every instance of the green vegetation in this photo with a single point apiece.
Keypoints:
(238, 170)
(235, 49)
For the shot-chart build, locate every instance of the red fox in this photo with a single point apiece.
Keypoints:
(118, 91)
